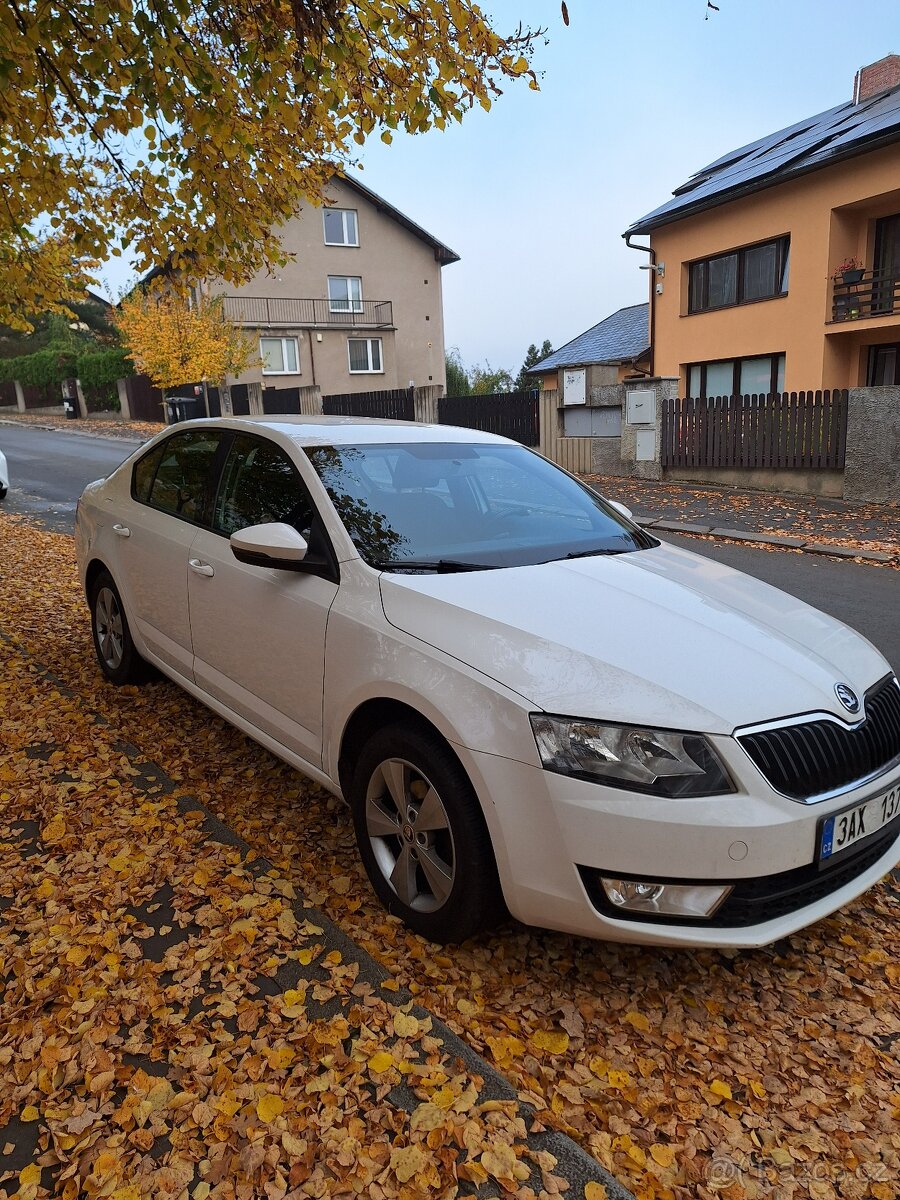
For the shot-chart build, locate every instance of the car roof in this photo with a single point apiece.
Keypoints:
(350, 431)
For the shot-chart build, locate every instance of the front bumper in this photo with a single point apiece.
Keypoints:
(555, 835)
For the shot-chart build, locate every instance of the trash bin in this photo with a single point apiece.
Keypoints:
(182, 408)
(71, 407)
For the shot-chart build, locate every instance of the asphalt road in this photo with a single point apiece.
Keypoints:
(49, 470)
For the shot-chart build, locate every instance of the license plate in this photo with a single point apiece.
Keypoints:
(847, 828)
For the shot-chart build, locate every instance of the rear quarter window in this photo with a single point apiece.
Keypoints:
(143, 473)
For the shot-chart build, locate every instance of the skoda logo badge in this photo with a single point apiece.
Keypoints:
(847, 697)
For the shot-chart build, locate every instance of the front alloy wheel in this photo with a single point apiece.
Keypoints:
(422, 835)
(409, 832)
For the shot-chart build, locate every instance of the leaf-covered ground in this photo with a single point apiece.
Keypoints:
(94, 425)
(756, 1074)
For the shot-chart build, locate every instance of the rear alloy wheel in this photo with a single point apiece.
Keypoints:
(422, 836)
(119, 660)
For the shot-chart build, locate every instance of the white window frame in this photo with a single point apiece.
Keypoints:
(353, 304)
(345, 213)
(284, 340)
(369, 370)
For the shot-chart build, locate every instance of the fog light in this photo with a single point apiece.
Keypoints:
(664, 899)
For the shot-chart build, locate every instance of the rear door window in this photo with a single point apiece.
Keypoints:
(183, 475)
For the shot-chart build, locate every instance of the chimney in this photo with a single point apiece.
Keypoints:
(876, 78)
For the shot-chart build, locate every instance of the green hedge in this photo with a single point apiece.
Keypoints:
(97, 372)
(46, 368)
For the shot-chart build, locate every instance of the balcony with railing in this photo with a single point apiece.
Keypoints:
(272, 311)
(873, 294)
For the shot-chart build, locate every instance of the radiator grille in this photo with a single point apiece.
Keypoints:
(813, 757)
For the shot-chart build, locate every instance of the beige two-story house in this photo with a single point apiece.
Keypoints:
(358, 307)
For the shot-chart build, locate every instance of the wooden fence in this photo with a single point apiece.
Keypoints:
(397, 404)
(788, 430)
(511, 414)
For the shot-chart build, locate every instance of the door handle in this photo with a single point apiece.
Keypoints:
(200, 568)
(122, 530)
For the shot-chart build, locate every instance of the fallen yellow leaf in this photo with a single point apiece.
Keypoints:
(29, 1113)
(269, 1107)
(381, 1061)
(595, 1191)
(661, 1154)
(499, 1161)
(555, 1041)
(638, 1021)
(406, 1162)
(718, 1088)
(405, 1025)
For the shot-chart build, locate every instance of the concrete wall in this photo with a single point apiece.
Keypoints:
(393, 265)
(764, 479)
(872, 464)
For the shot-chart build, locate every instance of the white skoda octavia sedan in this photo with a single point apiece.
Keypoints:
(528, 702)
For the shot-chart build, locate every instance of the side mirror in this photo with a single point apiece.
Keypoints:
(271, 545)
(621, 508)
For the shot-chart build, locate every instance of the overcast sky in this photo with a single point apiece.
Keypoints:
(635, 97)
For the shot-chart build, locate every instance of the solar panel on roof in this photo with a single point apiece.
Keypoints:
(800, 146)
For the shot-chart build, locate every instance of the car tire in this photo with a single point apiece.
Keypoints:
(116, 653)
(3, 492)
(433, 864)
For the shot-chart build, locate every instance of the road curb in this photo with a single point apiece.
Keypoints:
(574, 1164)
(780, 541)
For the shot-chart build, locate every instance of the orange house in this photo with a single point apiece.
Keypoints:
(747, 288)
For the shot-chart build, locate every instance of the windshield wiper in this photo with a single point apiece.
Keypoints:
(592, 553)
(440, 566)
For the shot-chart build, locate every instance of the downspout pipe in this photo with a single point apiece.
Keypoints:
(648, 250)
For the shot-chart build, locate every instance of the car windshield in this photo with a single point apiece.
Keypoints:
(436, 507)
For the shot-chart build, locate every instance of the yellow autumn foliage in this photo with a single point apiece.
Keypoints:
(197, 126)
(176, 340)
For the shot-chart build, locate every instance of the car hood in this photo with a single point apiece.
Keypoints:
(662, 637)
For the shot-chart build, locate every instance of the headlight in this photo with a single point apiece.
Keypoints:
(657, 762)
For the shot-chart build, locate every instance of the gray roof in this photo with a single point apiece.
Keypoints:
(841, 132)
(622, 337)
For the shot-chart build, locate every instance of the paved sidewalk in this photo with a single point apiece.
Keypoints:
(870, 532)
(176, 1021)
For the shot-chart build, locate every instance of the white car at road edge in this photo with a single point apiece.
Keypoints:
(4, 476)
(529, 703)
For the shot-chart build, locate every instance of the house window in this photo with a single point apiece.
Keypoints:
(736, 376)
(340, 227)
(365, 356)
(884, 362)
(754, 273)
(279, 355)
(345, 293)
